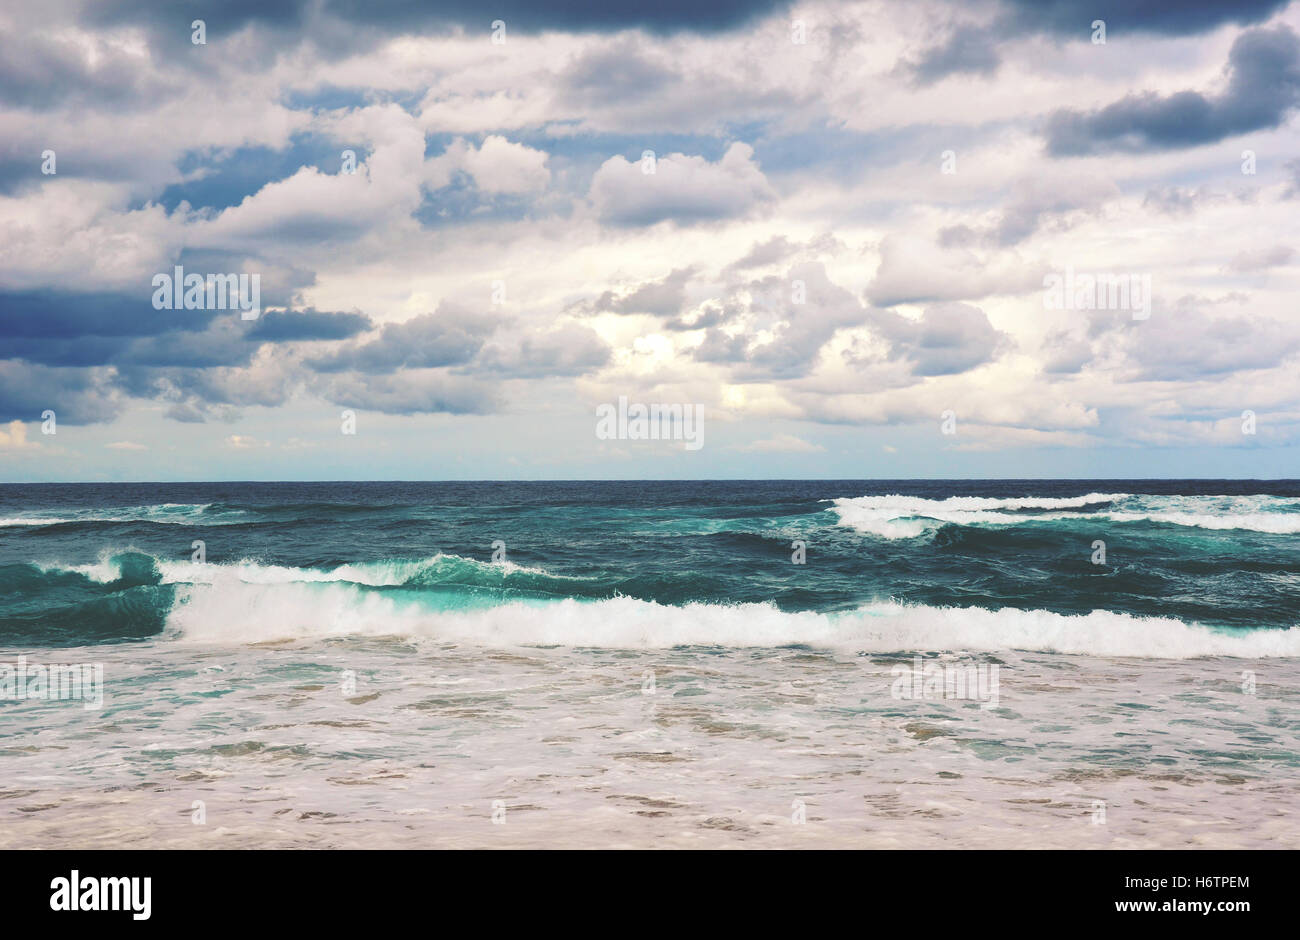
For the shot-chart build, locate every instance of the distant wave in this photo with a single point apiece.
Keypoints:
(903, 517)
(109, 567)
(1274, 524)
(161, 513)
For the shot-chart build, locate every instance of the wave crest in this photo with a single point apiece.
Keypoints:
(261, 613)
(905, 517)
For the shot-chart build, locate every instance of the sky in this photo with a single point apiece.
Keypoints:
(831, 227)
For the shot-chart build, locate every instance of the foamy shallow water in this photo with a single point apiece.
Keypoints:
(692, 746)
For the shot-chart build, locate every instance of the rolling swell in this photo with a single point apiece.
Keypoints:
(131, 595)
(62, 607)
(339, 559)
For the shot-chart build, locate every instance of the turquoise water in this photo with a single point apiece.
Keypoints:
(644, 664)
(85, 564)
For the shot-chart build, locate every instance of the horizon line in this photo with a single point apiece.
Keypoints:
(677, 480)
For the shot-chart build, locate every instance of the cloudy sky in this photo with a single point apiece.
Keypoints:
(501, 263)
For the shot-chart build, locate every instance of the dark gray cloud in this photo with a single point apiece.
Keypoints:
(772, 251)
(337, 26)
(59, 345)
(1263, 89)
(1194, 345)
(197, 394)
(684, 189)
(57, 314)
(1254, 260)
(565, 351)
(228, 17)
(802, 311)
(76, 396)
(619, 73)
(972, 49)
(311, 324)
(61, 328)
(947, 339)
(408, 393)
(1164, 17)
(719, 346)
(1177, 200)
(1064, 353)
(448, 337)
(1034, 203)
(538, 15)
(223, 344)
(960, 236)
(337, 19)
(187, 413)
(663, 298)
(797, 343)
(41, 73)
(1293, 167)
(967, 50)
(779, 248)
(1172, 200)
(709, 315)
(76, 352)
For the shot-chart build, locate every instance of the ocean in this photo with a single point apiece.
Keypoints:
(912, 664)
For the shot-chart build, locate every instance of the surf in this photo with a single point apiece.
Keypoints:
(259, 613)
(898, 516)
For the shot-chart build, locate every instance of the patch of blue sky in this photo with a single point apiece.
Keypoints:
(220, 180)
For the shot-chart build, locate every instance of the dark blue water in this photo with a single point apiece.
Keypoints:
(87, 563)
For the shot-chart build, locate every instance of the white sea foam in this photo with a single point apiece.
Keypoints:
(163, 513)
(978, 503)
(249, 613)
(376, 574)
(902, 517)
(1274, 523)
(107, 568)
(383, 573)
